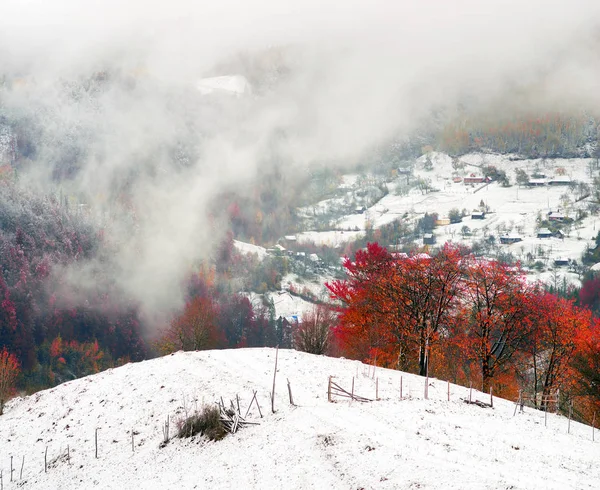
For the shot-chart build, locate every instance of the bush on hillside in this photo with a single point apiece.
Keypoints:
(206, 422)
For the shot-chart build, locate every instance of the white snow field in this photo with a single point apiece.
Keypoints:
(385, 444)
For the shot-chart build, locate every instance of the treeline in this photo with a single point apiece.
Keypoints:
(467, 319)
(215, 319)
(550, 135)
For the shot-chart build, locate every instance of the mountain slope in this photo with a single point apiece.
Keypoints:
(413, 443)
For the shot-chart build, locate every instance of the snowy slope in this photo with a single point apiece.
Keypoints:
(388, 444)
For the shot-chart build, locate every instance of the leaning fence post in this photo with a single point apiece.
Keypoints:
(290, 393)
(329, 390)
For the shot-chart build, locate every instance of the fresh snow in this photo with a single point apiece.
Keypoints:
(385, 444)
(231, 84)
(248, 248)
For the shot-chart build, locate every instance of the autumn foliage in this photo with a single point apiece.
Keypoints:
(463, 318)
(9, 370)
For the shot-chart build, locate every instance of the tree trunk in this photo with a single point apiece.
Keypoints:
(422, 354)
(487, 375)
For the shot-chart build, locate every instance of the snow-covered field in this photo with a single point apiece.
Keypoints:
(385, 444)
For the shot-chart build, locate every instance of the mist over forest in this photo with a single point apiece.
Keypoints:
(127, 166)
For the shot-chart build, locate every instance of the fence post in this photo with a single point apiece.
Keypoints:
(448, 390)
(376, 389)
(274, 375)
(352, 398)
(470, 391)
(290, 392)
(491, 397)
(400, 387)
(570, 413)
(593, 426)
(329, 390)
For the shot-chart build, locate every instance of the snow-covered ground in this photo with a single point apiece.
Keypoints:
(385, 444)
(248, 248)
(229, 84)
(510, 210)
(286, 305)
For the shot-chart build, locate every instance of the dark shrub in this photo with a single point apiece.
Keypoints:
(207, 423)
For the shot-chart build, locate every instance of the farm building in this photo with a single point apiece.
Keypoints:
(428, 239)
(544, 233)
(510, 239)
(477, 215)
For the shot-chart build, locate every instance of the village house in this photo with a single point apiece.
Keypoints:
(477, 215)
(555, 216)
(474, 179)
(510, 239)
(544, 233)
(560, 180)
(428, 239)
(537, 182)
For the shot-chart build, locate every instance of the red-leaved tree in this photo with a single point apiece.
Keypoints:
(9, 370)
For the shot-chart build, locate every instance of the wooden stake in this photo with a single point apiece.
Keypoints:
(68, 455)
(237, 397)
(377, 389)
(400, 387)
(448, 390)
(570, 413)
(329, 390)
(290, 393)
(491, 397)
(11, 468)
(546, 417)
(593, 425)
(46, 460)
(426, 394)
(96, 441)
(22, 464)
(517, 403)
(470, 392)
(132, 446)
(256, 400)
(352, 398)
(274, 375)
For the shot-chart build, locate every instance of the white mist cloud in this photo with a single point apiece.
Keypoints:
(361, 72)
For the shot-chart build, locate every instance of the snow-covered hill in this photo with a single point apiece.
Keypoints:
(385, 444)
